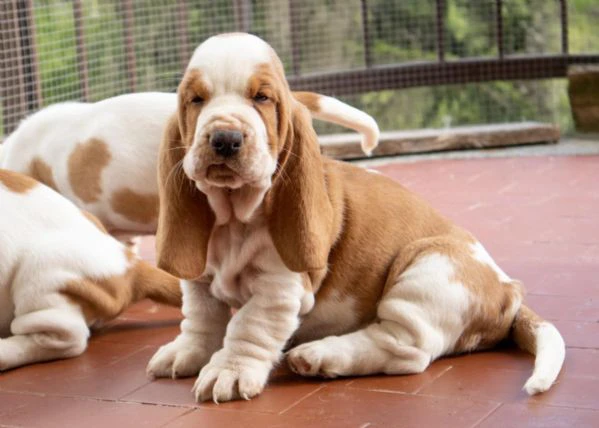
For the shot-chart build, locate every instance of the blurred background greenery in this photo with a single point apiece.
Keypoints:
(330, 39)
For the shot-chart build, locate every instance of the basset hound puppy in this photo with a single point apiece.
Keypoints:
(347, 269)
(61, 273)
(102, 156)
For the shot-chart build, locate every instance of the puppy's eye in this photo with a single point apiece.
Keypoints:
(197, 100)
(260, 97)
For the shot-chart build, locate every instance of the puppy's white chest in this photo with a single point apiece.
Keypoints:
(237, 256)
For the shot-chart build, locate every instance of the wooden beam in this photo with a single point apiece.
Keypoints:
(30, 61)
(347, 146)
(416, 74)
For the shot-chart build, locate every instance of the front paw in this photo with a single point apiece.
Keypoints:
(183, 357)
(227, 377)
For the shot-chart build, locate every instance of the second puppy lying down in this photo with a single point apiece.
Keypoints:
(102, 156)
(60, 273)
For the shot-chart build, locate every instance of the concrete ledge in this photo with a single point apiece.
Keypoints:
(347, 146)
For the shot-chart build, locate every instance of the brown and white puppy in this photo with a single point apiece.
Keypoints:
(356, 272)
(61, 273)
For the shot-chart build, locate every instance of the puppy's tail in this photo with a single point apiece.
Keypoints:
(332, 110)
(539, 337)
(154, 283)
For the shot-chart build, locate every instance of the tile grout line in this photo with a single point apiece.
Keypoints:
(485, 417)
(302, 399)
(91, 398)
(432, 380)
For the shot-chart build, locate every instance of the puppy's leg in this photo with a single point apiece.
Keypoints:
(420, 316)
(254, 341)
(378, 348)
(44, 335)
(202, 332)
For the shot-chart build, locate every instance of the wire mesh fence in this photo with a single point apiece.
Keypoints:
(58, 50)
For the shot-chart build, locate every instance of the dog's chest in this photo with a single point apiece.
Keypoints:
(238, 254)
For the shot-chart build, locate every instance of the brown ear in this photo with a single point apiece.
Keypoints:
(300, 214)
(185, 219)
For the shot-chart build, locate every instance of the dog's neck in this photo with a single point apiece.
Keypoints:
(241, 204)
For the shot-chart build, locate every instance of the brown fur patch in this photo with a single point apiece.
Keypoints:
(16, 182)
(524, 328)
(185, 218)
(135, 206)
(85, 167)
(299, 210)
(42, 172)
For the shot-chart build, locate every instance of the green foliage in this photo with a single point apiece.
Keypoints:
(530, 26)
(330, 37)
(56, 50)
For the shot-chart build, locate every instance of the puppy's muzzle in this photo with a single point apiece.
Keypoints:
(226, 142)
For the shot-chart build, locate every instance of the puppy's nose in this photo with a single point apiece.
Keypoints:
(226, 143)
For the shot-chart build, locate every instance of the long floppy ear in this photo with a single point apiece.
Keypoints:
(300, 214)
(185, 219)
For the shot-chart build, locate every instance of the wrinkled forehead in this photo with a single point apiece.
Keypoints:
(228, 61)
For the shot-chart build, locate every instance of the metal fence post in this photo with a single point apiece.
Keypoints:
(242, 9)
(31, 76)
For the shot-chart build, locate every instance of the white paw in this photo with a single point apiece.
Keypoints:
(228, 377)
(317, 358)
(180, 358)
(536, 385)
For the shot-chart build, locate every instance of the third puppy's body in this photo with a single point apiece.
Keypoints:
(101, 156)
(356, 272)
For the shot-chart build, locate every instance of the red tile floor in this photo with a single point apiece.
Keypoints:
(538, 216)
